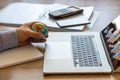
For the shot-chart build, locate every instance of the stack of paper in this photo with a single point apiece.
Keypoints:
(17, 14)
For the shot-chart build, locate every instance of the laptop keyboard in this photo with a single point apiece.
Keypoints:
(84, 52)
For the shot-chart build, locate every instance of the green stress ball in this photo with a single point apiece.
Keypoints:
(40, 27)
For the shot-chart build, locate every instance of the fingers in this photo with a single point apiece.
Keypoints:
(46, 36)
(38, 35)
(29, 24)
(38, 40)
(34, 34)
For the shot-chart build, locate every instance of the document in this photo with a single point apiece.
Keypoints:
(16, 14)
(20, 13)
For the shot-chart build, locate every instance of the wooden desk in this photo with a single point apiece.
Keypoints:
(109, 9)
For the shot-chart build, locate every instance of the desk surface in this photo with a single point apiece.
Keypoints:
(109, 10)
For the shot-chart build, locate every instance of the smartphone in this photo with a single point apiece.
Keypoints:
(65, 12)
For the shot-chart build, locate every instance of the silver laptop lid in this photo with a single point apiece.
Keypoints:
(111, 42)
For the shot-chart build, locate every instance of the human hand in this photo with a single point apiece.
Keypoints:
(26, 35)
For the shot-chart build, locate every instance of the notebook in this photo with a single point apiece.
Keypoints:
(19, 55)
(81, 52)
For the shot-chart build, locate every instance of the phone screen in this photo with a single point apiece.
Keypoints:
(65, 12)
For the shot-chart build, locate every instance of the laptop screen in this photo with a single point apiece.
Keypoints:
(111, 36)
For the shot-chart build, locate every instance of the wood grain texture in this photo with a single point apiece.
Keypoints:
(109, 10)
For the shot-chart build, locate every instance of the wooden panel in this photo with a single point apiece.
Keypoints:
(109, 9)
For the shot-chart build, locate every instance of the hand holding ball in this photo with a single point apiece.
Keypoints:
(40, 27)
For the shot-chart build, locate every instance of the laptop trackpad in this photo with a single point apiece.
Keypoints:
(59, 50)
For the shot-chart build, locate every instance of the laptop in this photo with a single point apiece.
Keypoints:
(81, 52)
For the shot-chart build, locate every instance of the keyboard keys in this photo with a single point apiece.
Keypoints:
(84, 51)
